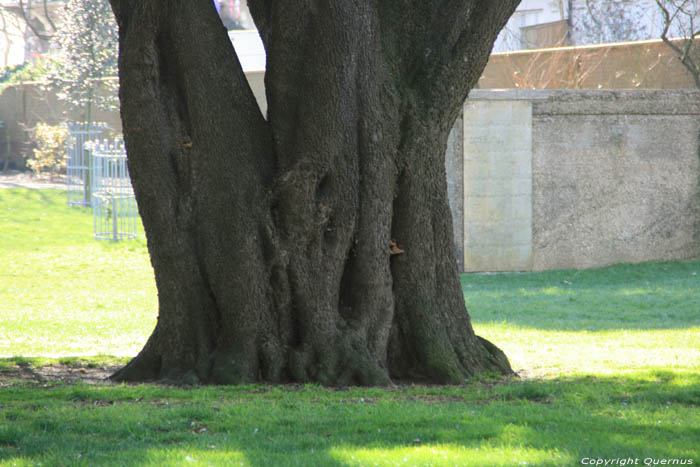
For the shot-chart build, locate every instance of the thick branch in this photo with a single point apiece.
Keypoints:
(442, 47)
(118, 8)
(682, 53)
(199, 78)
(261, 12)
(463, 55)
(200, 158)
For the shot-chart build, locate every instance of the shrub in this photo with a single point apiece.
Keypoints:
(50, 152)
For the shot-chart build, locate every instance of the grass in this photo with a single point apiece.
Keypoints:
(610, 359)
(62, 293)
(540, 422)
(604, 321)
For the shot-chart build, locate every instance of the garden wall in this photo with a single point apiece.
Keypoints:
(537, 179)
(22, 106)
(549, 179)
(649, 64)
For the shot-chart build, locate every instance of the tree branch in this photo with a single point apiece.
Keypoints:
(48, 17)
(592, 15)
(43, 37)
(682, 53)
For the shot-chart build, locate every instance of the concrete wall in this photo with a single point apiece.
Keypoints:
(613, 177)
(497, 185)
(454, 164)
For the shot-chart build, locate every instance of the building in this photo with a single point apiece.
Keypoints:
(532, 19)
(26, 29)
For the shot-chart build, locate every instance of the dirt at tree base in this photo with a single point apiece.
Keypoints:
(21, 374)
(57, 373)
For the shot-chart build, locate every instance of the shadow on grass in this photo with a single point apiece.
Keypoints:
(549, 422)
(49, 197)
(38, 198)
(648, 296)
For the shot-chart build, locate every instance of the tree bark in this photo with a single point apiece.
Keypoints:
(314, 244)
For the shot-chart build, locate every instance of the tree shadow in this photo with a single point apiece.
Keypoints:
(12, 192)
(542, 422)
(40, 195)
(648, 296)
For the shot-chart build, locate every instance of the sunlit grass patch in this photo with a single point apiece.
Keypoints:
(450, 455)
(551, 353)
(61, 291)
(204, 456)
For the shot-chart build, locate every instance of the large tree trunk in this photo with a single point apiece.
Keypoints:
(314, 244)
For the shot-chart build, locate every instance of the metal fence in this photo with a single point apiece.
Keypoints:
(78, 173)
(115, 214)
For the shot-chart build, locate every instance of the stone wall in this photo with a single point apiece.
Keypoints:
(602, 176)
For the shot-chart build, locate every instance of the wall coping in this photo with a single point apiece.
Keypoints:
(599, 102)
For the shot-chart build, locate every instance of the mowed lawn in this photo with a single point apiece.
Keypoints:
(63, 293)
(609, 362)
(612, 320)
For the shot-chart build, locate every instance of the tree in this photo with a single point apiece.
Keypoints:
(314, 244)
(679, 18)
(608, 21)
(87, 59)
(83, 76)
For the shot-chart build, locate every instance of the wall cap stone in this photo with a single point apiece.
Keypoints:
(599, 102)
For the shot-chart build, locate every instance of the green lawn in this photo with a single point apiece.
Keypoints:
(62, 293)
(610, 360)
(605, 321)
